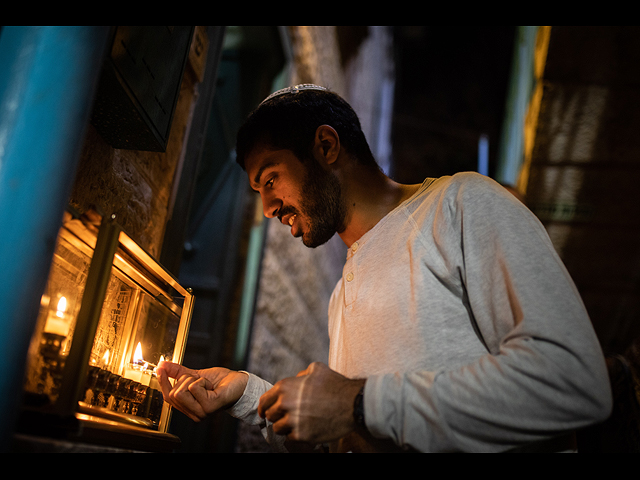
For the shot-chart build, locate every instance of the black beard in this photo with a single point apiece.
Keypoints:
(321, 204)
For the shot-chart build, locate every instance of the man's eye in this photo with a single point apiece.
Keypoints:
(269, 183)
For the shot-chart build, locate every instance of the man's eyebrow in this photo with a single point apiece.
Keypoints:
(256, 179)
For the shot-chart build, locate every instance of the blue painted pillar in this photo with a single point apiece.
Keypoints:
(47, 83)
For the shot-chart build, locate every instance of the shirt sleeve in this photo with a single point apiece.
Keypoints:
(544, 373)
(246, 410)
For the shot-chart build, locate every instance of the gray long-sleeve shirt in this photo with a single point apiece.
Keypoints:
(464, 321)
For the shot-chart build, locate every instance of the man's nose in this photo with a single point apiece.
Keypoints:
(270, 206)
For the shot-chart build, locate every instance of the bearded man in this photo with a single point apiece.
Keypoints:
(455, 326)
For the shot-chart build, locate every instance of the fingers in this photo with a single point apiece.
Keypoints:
(181, 396)
(284, 426)
(280, 405)
(314, 406)
(266, 401)
(271, 408)
(178, 394)
(167, 370)
(207, 398)
(173, 370)
(165, 384)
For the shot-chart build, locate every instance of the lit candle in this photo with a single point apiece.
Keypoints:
(133, 371)
(137, 370)
(58, 319)
(146, 376)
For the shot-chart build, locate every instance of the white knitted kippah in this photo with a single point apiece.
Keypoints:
(294, 89)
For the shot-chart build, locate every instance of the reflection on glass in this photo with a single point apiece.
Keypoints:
(56, 321)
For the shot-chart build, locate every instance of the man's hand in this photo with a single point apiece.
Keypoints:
(315, 406)
(198, 393)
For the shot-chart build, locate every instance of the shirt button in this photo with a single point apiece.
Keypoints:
(354, 247)
(349, 276)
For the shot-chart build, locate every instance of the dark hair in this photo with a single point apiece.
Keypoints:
(290, 121)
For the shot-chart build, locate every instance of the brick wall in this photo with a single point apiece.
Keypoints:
(135, 185)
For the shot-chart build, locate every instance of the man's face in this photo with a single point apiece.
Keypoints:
(302, 195)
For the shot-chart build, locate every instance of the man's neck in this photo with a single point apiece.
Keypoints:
(370, 196)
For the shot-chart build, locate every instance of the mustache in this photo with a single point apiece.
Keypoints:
(286, 210)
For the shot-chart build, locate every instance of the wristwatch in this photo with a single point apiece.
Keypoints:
(358, 409)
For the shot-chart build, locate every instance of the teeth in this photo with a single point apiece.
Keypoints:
(291, 220)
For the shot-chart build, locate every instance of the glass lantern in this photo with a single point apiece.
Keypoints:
(109, 315)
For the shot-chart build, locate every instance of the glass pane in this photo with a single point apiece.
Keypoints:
(56, 322)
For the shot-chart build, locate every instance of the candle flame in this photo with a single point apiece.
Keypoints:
(105, 358)
(137, 356)
(62, 307)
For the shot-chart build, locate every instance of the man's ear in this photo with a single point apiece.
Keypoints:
(327, 143)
